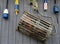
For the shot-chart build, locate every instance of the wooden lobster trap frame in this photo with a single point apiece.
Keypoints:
(35, 27)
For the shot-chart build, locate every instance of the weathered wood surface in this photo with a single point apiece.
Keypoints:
(8, 35)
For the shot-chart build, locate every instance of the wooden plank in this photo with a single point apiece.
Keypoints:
(26, 7)
(33, 41)
(19, 36)
(58, 34)
(54, 39)
(0, 20)
(4, 39)
(12, 23)
(44, 13)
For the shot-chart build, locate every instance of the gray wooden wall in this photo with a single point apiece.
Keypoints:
(8, 35)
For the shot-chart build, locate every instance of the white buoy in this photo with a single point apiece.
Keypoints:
(5, 12)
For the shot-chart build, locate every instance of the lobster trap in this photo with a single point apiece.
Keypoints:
(35, 27)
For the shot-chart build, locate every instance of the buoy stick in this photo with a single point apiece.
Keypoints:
(16, 7)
